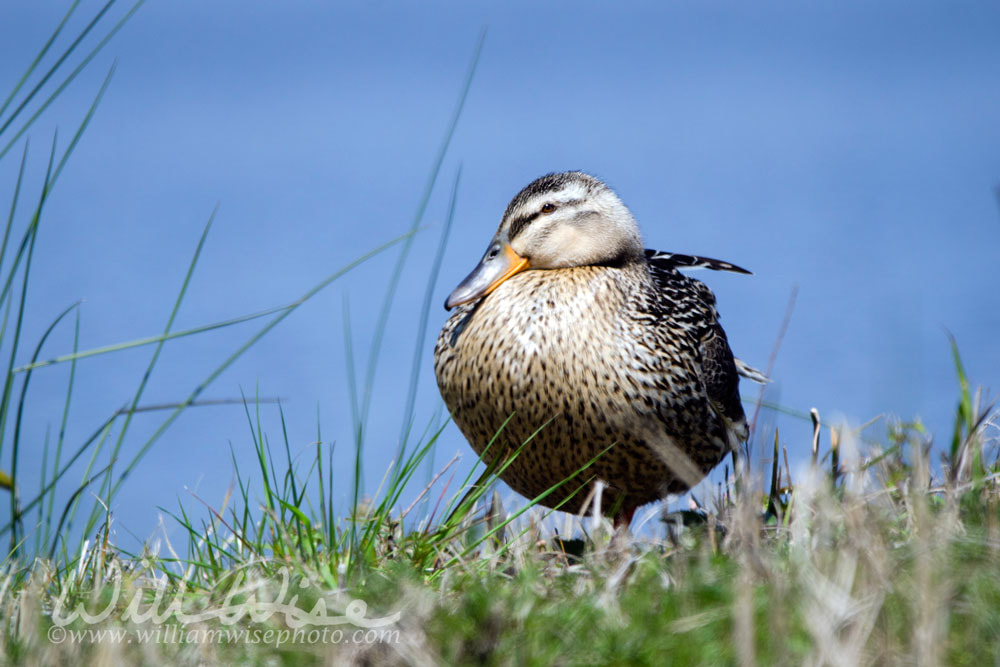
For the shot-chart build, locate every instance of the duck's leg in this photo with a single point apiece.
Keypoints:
(624, 518)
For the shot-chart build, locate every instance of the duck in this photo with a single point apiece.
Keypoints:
(573, 355)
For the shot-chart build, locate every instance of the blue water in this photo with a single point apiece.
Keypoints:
(851, 152)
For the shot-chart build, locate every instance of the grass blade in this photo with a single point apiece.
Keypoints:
(16, 444)
(156, 352)
(38, 58)
(243, 348)
(383, 317)
(70, 77)
(418, 347)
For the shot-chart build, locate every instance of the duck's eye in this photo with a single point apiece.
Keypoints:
(548, 207)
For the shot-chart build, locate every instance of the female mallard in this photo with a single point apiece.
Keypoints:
(571, 337)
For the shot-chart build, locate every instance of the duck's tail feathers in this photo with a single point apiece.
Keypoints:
(680, 261)
(750, 373)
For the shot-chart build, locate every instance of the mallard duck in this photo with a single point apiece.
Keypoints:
(571, 337)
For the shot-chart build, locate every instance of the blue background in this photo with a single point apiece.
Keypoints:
(849, 149)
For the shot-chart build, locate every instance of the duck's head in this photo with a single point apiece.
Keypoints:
(556, 222)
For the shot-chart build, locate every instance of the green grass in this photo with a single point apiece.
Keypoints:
(874, 554)
(879, 562)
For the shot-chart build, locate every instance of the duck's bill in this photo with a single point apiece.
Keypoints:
(498, 264)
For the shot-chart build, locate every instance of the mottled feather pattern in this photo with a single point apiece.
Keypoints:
(604, 355)
(697, 301)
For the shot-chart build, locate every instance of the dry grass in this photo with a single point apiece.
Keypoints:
(882, 561)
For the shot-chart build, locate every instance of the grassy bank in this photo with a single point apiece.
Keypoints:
(882, 549)
(874, 561)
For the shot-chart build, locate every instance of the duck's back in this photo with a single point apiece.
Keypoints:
(628, 359)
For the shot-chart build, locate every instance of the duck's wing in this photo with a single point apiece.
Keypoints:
(674, 260)
(679, 261)
(693, 303)
(722, 382)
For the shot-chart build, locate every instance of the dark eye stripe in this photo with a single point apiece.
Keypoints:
(519, 223)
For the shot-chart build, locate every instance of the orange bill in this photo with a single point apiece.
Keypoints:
(498, 264)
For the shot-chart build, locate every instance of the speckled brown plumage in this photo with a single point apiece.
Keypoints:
(626, 353)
